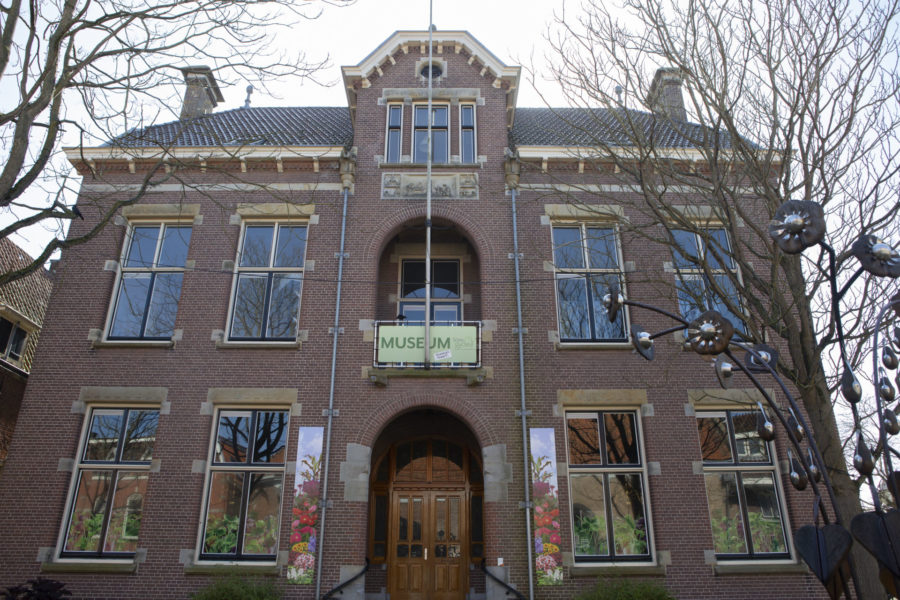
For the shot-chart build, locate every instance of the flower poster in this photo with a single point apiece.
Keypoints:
(305, 508)
(545, 499)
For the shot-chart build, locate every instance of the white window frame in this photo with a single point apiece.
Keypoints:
(5, 353)
(434, 105)
(585, 272)
(387, 133)
(123, 271)
(640, 469)
(238, 270)
(474, 128)
(434, 301)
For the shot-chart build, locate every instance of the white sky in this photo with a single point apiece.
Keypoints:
(513, 30)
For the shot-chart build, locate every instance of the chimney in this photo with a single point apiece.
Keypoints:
(665, 96)
(201, 93)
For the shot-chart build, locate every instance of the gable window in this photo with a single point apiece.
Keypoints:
(697, 291)
(587, 263)
(446, 293)
(268, 282)
(242, 515)
(440, 137)
(607, 486)
(12, 340)
(104, 519)
(149, 287)
(394, 133)
(467, 153)
(742, 491)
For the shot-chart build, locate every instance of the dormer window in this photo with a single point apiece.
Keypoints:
(12, 341)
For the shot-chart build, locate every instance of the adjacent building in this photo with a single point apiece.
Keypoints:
(234, 375)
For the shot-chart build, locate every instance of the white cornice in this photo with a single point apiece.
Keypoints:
(194, 153)
(597, 153)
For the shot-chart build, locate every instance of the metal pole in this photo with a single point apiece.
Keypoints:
(428, 198)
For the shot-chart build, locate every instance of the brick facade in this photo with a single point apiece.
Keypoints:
(77, 368)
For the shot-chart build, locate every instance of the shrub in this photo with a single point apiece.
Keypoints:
(37, 589)
(624, 589)
(234, 586)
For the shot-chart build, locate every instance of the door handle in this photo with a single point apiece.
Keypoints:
(426, 552)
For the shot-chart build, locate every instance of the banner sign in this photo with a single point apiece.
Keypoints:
(548, 561)
(305, 509)
(406, 344)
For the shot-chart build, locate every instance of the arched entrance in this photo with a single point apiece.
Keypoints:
(426, 518)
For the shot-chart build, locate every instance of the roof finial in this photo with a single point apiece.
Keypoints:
(247, 101)
(619, 94)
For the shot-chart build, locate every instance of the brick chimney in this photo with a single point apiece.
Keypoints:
(665, 97)
(201, 93)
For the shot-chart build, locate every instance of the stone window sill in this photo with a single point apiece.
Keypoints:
(133, 344)
(593, 345)
(200, 568)
(283, 345)
(90, 566)
(606, 569)
(747, 567)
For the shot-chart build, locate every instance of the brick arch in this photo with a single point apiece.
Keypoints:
(393, 222)
(465, 411)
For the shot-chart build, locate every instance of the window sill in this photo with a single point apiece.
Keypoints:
(593, 345)
(417, 166)
(90, 566)
(219, 568)
(222, 345)
(756, 567)
(604, 569)
(133, 344)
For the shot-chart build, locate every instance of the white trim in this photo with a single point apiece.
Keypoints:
(387, 131)
(617, 188)
(473, 106)
(77, 154)
(214, 187)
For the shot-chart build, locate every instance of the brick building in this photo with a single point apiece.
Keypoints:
(185, 417)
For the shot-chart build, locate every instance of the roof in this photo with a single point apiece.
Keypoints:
(28, 295)
(252, 126)
(590, 127)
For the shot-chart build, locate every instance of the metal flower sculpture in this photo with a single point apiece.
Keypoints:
(876, 256)
(798, 224)
(825, 543)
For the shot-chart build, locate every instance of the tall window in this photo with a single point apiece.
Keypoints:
(741, 487)
(446, 296)
(696, 294)
(150, 283)
(12, 340)
(467, 133)
(587, 263)
(110, 483)
(606, 480)
(268, 282)
(440, 137)
(394, 132)
(246, 476)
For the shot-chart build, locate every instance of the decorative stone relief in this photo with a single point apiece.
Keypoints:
(444, 186)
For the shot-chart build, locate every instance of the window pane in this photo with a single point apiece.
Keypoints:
(223, 513)
(381, 516)
(467, 116)
(163, 305)
(413, 279)
(686, 243)
(603, 329)
(621, 439)
(477, 527)
(263, 510)
(445, 313)
(627, 503)
(420, 146)
(412, 312)
(725, 513)
(439, 138)
(421, 116)
(393, 146)
(257, 246)
(174, 247)
(589, 515)
(440, 116)
(6, 328)
(233, 437)
(567, 250)
(130, 305)
(584, 440)
(766, 531)
(249, 302)
(140, 435)
(601, 245)
(691, 296)
(143, 247)
(394, 116)
(724, 283)
(714, 443)
(291, 247)
(103, 436)
(574, 321)
(718, 239)
(17, 345)
(284, 306)
(271, 437)
(445, 275)
(125, 514)
(88, 511)
(467, 146)
(750, 448)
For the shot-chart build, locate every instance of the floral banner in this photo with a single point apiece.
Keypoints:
(545, 499)
(305, 509)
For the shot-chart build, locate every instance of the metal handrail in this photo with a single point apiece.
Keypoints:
(509, 589)
(338, 589)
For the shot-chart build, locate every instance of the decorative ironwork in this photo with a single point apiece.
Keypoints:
(825, 543)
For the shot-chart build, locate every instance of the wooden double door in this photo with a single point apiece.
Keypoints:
(428, 544)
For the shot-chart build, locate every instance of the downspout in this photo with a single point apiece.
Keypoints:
(512, 182)
(428, 192)
(348, 171)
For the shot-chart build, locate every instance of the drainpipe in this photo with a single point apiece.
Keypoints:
(348, 171)
(512, 182)
(428, 194)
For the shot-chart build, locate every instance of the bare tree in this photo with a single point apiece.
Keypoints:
(786, 100)
(88, 71)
